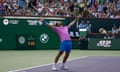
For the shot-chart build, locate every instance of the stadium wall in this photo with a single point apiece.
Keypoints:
(27, 33)
(18, 33)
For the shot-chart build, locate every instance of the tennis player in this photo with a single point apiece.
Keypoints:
(66, 44)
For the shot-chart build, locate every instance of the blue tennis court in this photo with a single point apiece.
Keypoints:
(82, 64)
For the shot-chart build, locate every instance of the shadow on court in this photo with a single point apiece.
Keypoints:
(88, 64)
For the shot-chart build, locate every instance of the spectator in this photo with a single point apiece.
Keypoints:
(1, 1)
(114, 31)
(28, 12)
(69, 8)
(2, 9)
(88, 26)
(39, 8)
(117, 15)
(26, 3)
(104, 31)
(82, 25)
(85, 13)
(119, 30)
(20, 3)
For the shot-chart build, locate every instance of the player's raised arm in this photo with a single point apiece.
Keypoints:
(73, 22)
(45, 22)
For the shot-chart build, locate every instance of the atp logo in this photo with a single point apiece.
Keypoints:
(44, 38)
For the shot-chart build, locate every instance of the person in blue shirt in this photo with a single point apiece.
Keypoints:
(82, 25)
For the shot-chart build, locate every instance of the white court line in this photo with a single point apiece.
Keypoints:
(45, 64)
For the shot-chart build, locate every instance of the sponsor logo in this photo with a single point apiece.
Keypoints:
(32, 22)
(6, 21)
(13, 21)
(104, 43)
(44, 38)
(21, 39)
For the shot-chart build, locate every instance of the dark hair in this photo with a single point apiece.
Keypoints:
(56, 24)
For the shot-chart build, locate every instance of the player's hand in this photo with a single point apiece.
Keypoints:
(77, 17)
(41, 19)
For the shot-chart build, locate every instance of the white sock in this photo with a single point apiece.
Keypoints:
(64, 67)
(54, 65)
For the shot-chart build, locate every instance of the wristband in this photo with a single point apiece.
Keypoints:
(44, 22)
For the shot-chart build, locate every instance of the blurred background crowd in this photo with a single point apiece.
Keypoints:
(62, 8)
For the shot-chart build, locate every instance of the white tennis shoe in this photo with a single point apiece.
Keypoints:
(54, 68)
(64, 68)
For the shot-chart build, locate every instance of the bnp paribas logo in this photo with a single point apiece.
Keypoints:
(44, 38)
(5, 21)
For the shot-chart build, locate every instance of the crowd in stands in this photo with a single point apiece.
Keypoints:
(62, 8)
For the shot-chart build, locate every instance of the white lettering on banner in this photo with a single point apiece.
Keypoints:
(32, 22)
(52, 22)
(1, 40)
(13, 22)
(104, 43)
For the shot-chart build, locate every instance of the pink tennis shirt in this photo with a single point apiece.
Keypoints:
(63, 33)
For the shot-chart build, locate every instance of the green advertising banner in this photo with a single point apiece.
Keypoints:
(27, 33)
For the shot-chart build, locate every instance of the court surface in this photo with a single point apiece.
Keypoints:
(82, 64)
(20, 59)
